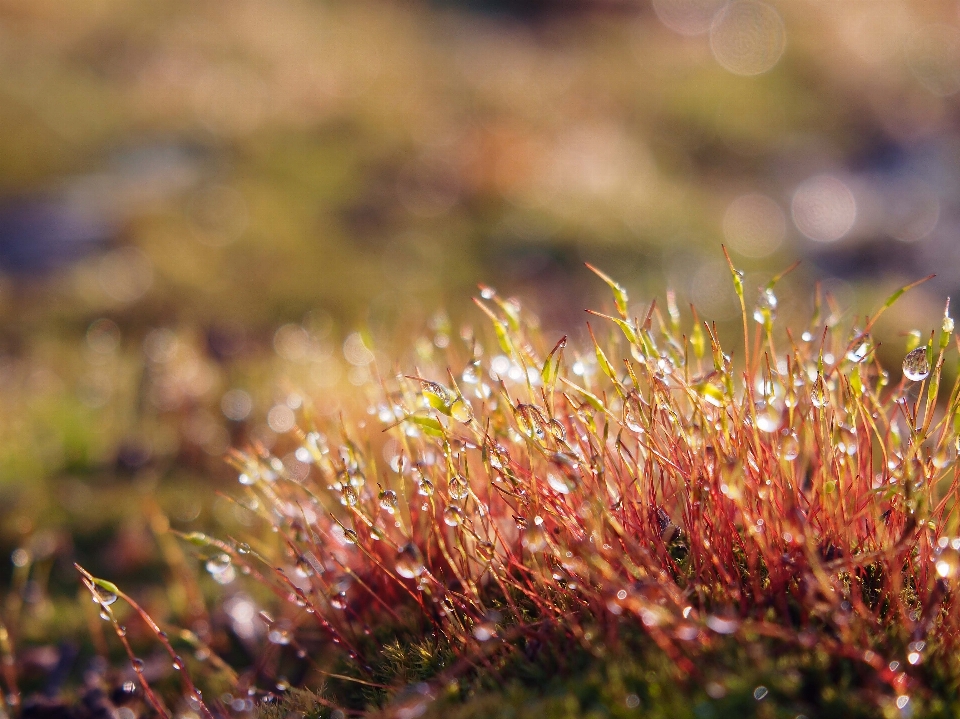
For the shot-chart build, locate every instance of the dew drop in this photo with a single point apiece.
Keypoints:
(819, 394)
(632, 416)
(461, 411)
(534, 538)
(278, 635)
(916, 366)
(484, 631)
(766, 309)
(486, 550)
(458, 488)
(218, 564)
(104, 598)
(859, 351)
(338, 600)
(790, 447)
(768, 419)
(388, 501)
(560, 483)
(410, 561)
(948, 563)
(453, 516)
(348, 496)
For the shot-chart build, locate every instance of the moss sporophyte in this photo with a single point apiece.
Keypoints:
(648, 486)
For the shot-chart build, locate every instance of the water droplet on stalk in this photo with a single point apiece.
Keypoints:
(461, 411)
(103, 597)
(531, 421)
(348, 496)
(486, 550)
(453, 516)
(338, 600)
(768, 418)
(766, 309)
(458, 488)
(410, 561)
(916, 366)
(632, 415)
(790, 447)
(279, 634)
(819, 393)
(388, 501)
(534, 538)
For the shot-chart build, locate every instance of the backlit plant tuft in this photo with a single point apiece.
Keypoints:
(653, 484)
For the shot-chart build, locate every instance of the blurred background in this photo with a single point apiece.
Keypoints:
(212, 213)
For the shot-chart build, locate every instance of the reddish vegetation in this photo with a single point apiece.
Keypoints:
(646, 481)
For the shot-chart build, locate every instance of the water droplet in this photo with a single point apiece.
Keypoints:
(916, 367)
(632, 414)
(103, 597)
(178, 663)
(461, 411)
(348, 496)
(948, 563)
(458, 488)
(560, 483)
(453, 516)
(137, 664)
(760, 693)
(218, 563)
(534, 538)
(388, 501)
(768, 418)
(790, 447)
(819, 393)
(766, 309)
(848, 439)
(484, 631)
(221, 568)
(410, 561)
(486, 550)
(338, 600)
(425, 488)
(438, 395)
(471, 374)
(350, 536)
(531, 421)
(859, 350)
(496, 454)
(279, 634)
